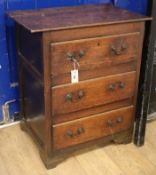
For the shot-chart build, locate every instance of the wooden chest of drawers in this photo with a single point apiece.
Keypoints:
(103, 45)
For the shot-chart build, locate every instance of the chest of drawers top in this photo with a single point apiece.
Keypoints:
(51, 19)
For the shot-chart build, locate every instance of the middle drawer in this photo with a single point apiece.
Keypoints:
(87, 94)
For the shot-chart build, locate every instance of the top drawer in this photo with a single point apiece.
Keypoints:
(93, 53)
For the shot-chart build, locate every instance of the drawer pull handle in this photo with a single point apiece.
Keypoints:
(69, 133)
(80, 131)
(119, 49)
(81, 53)
(69, 97)
(71, 56)
(116, 50)
(111, 87)
(119, 120)
(124, 46)
(81, 94)
(121, 85)
(110, 123)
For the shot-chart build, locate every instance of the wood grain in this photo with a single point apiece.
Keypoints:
(95, 73)
(91, 111)
(93, 95)
(95, 31)
(16, 147)
(139, 162)
(103, 165)
(98, 53)
(94, 127)
(67, 17)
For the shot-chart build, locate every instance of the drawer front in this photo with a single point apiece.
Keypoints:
(93, 127)
(95, 73)
(92, 93)
(93, 53)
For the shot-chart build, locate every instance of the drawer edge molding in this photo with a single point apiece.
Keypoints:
(92, 128)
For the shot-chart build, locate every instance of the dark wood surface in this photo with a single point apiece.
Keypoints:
(33, 53)
(94, 127)
(95, 73)
(73, 17)
(95, 93)
(98, 52)
(88, 35)
(60, 118)
(94, 31)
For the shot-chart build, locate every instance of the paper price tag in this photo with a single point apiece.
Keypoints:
(74, 76)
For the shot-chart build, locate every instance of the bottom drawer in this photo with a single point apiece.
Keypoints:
(92, 127)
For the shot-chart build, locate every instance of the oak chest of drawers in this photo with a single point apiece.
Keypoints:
(95, 103)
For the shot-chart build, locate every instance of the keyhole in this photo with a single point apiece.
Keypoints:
(98, 44)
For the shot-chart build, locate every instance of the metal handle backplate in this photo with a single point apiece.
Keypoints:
(120, 48)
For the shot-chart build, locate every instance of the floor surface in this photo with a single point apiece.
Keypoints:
(19, 156)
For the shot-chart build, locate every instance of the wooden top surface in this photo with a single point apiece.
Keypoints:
(40, 20)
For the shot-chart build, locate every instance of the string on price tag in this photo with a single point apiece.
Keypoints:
(75, 72)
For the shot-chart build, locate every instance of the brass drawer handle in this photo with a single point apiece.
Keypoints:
(81, 94)
(121, 85)
(69, 97)
(119, 49)
(71, 56)
(81, 53)
(109, 123)
(69, 133)
(116, 50)
(111, 87)
(80, 131)
(119, 120)
(124, 46)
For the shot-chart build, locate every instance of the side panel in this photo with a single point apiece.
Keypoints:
(30, 60)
